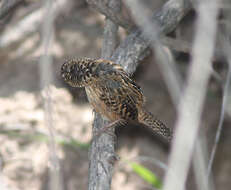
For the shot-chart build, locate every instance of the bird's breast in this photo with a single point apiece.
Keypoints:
(99, 106)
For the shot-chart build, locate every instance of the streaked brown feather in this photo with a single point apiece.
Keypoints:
(111, 91)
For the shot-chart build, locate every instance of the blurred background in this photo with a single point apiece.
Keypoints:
(78, 31)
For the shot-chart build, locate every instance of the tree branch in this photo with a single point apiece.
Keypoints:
(7, 6)
(135, 47)
(104, 9)
(20, 30)
(191, 102)
(127, 54)
(102, 154)
(172, 43)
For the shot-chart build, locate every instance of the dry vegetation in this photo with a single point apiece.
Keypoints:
(25, 154)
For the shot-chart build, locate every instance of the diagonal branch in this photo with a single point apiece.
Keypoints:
(7, 6)
(127, 54)
(108, 11)
(135, 47)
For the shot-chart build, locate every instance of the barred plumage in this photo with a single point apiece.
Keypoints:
(111, 91)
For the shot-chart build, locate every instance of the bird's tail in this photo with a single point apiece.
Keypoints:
(154, 124)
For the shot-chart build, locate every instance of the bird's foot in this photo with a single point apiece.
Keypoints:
(106, 129)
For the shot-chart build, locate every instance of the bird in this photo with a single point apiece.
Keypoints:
(112, 92)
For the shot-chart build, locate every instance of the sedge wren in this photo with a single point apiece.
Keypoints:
(111, 92)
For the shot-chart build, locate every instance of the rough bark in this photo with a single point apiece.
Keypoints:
(102, 153)
(133, 49)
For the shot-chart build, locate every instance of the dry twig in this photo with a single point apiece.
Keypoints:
(226, 91)
(128, 54)
(135, 47)
(109, 12)
(20, 30)
(7, 6)
(190, 108)
(50, 12)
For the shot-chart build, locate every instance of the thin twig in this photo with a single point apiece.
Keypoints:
(166, 61)
(163, 55)
(200, 161)
(190, 108)
(227, 49)
(19, 31)
(135, 47)
(172, 79)
(172, 43)
(46, 79)
(7, 6)
(221, 121)
(108, 11)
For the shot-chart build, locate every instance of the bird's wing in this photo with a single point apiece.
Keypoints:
(121, 95)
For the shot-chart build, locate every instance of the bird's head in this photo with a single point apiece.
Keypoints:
(76, 72)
